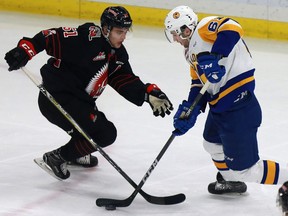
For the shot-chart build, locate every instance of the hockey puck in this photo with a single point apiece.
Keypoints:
(110, 207)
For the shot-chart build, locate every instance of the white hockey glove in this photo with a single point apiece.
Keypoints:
(158, 100)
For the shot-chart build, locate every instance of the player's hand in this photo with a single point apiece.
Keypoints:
(20, 55)
(158, 100)
(16, 58)
(208, 63)
(181, 123)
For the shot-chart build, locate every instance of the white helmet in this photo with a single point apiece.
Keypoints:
(179, 17)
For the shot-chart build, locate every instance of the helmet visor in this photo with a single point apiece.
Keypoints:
(169, 35)
(172, 35)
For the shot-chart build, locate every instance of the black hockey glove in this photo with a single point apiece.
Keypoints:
(20, 55)
(158, 100)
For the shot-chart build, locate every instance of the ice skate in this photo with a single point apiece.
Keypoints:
(85, 161)
(224, 187)
(54, 164)
(282, 198)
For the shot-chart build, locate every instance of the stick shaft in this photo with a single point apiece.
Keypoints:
(169, 141)
(148, 197)
(128, 201)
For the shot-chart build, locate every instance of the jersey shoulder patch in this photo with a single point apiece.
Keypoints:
(91, 30)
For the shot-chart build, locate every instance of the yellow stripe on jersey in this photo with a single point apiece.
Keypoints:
(193, 72)
(208, 32)
(203, 78)
(206, 35)
(232, 27)
(195, 76)
(231, 88)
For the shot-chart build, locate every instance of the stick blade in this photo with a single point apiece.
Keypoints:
(168, 200)
(103, 202)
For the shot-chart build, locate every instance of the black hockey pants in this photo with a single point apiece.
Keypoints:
(92, 121)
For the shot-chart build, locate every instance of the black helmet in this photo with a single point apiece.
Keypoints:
(116, 16)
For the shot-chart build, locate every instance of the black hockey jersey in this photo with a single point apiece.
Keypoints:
(83, 63)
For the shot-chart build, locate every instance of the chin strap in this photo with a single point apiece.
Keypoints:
(107, 35)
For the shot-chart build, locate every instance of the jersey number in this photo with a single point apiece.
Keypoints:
(69, 32)
(213, 26)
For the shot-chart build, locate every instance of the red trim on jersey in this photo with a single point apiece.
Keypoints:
(28, 47)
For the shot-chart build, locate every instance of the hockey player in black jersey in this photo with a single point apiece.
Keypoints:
(83, 61)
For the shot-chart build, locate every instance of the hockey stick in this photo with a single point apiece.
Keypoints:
(126, 202)
(167, 200)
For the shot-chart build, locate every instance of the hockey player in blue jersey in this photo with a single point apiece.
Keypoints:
(217, 53)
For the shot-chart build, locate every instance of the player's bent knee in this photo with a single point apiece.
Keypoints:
(109, 138)
(106, 137)
(103, 131)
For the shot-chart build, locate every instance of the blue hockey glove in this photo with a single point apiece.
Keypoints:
(181, 123)
(208, 63)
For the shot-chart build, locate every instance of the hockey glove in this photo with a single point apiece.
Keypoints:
(181, 123)
(208, 63)
(158, 100)
(19, 56)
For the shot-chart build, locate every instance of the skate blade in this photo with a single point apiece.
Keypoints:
(40, 162)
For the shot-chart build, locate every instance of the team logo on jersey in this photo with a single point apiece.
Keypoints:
(176, 15)
(98, 83)
(228, 158)
(100, 56)
(94, 32)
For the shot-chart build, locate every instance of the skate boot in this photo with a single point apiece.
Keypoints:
(282, 198)
(57, 164)
(223, 187)
(85, 161)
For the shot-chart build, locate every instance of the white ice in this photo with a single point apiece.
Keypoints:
(186, 168)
